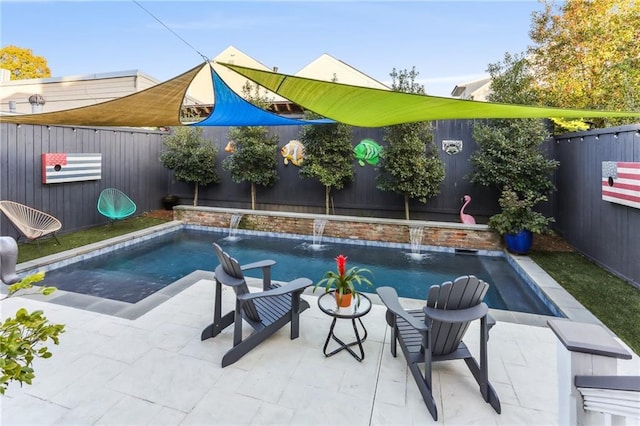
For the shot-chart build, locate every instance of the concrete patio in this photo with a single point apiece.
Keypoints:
(154, 370)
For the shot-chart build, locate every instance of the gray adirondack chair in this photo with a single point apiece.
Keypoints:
(266, 311)
(435, 333)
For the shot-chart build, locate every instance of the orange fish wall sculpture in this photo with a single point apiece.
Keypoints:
(294, 152)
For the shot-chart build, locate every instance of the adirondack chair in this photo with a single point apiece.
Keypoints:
(115, 204)
(266, 311)
(8, 260)
(31, 223)
(435, 333)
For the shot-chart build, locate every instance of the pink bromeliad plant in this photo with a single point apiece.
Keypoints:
(344, 280)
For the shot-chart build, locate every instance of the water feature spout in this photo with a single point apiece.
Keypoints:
(415, 238)
(233, 226)
(318, 230)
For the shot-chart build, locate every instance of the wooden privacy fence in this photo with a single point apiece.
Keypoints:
(605, 232)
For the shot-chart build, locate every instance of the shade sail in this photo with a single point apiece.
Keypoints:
(230, 109)
(156, 106)
(368, 107)
(160, 106)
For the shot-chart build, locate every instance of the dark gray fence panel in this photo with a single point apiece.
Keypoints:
(605, 232)
(129, 162)
(361, 196)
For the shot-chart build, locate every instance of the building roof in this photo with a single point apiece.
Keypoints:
(476, 90)
(328, 68)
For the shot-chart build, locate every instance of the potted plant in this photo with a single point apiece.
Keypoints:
(518, 221)
(170, 201)
(345, 281)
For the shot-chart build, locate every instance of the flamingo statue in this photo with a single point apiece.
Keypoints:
(466, 218)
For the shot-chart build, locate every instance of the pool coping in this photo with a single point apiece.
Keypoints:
(527, 268)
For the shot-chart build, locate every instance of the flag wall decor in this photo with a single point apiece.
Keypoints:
(61, 167)
(621, 183)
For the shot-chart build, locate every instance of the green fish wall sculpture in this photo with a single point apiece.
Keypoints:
(368, 151)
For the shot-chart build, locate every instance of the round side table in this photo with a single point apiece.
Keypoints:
(327, 304)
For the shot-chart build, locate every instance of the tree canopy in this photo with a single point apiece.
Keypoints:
(409, 164)
(23, 64)
(510, 157)
(586, 54)
(328, 155)
(254, 156)
(509, 154)
(191, 157)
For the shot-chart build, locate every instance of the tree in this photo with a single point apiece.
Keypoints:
(509, 157)
(509, 153)
(22, 337)
(191, 157)
(22, 63)
(586, 54)
(409, 164)
(328, 155)
(254, 156)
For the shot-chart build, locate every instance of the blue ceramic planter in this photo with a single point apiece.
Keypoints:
(519, 243)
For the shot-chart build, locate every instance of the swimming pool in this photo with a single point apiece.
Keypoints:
(133, 273)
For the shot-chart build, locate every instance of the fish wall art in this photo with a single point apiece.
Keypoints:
(294, 152)
(367, 151)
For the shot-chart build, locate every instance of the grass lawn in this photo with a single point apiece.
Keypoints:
(614, 302)
(29, 251)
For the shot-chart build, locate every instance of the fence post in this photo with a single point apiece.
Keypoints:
(583, 350)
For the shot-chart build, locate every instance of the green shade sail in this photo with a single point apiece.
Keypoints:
(368, 107)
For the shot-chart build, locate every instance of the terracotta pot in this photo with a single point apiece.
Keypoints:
(344, 301)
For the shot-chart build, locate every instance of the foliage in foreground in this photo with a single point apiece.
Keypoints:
(22, 337)
(610, 299)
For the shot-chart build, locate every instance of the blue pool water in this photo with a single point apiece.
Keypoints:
(133, 273)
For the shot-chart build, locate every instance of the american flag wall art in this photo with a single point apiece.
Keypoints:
(61, 167)
(621, 183)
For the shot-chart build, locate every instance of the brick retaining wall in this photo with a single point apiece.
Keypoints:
(457, 235)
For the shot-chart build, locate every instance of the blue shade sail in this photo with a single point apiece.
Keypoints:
(230, 109)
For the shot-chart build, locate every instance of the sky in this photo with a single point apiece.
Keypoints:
(448, 42)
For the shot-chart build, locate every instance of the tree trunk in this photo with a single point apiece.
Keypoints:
(327, 191)
(406, 207)
(253, 196)
(195, 196)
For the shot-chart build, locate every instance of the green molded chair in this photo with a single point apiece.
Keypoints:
(115, 204)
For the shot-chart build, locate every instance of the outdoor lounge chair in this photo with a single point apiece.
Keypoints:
(115, 204)
(266, 311)
(31, 223)
(435, 333)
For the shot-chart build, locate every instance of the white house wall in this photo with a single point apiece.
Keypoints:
(71, 92)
